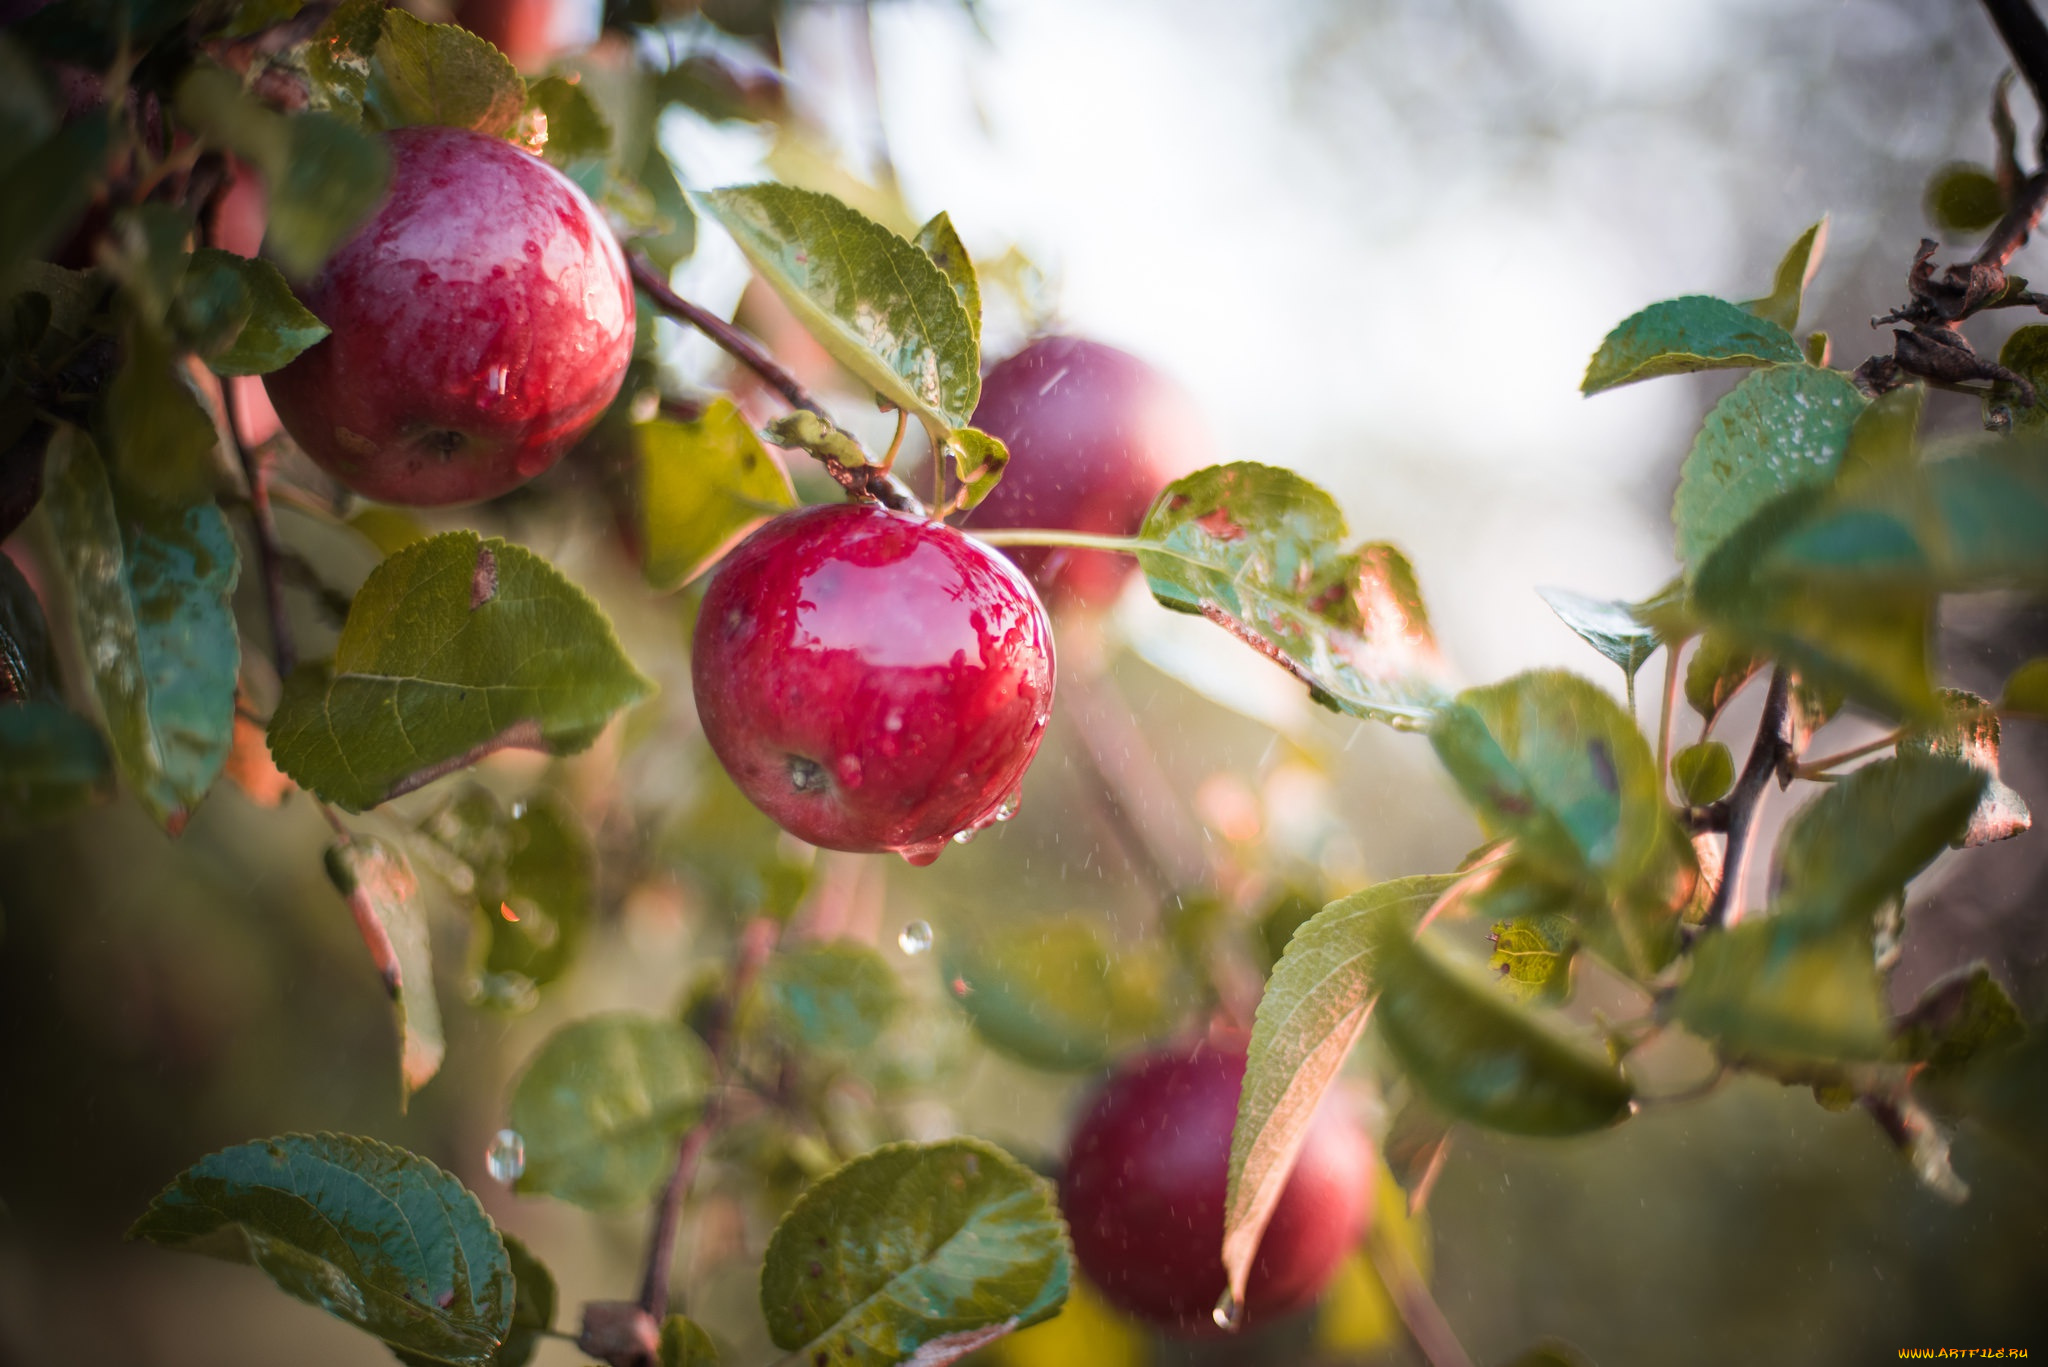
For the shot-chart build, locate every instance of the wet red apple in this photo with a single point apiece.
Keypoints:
(1094, 433)
(1145, 1183)
(482, 319)
(872, 680)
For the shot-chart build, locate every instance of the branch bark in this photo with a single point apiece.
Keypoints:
(2026, 38)
(1773, 746)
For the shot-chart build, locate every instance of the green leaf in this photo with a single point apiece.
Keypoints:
(1968, 731)
(1478, 1056)
(938, 240)
(1254, 548)
(28, 114)
(455, 647)
(915, 1252)
(28, 666)
(1612, 628)
(45, 191)
(52, 762)
(1885, 441)
(340, 55)
(160, 439)
(275, 327)
(531, 873)
(685, 1344)
(2026, 690)
(1780, 429)
(1963, 199)
(978, 463)
(1716, 672)
(702, 484)
(1050, 993)
(1533, 956)
(1553, 761)
(1787, 986)
(1313, 1011)
(1847, 852)
(443, 74)
(375, 1236)
(874, 301)
(802, 430)
(150, 594)
(1704, 772)
(576, 127)
(2025, 353)
(737, 859)
(1795, 272)
(1697, 332)
(253, 16)
(382, 894)
(1960, 1020)
(673, 234)
(602, 1104)
(834, 997)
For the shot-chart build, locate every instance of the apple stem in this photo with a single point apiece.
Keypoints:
(1048, 536)
(868, 483)
(895, 442)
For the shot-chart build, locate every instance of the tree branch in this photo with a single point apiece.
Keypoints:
(1420, 1314)
(2026, 38)
(868, 483)
(1773, 745)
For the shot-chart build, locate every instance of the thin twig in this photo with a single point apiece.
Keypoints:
(2026, 38)
(1420, 1314)
(1810, 769)
(866, 482)
(1773, 744)
(1671, 649)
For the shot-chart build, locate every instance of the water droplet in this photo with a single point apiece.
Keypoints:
(915, 938)
(965, 837)
(518, 810)
(494, 381)
(1010, 805)
(1228, 1314)
(506, 1157)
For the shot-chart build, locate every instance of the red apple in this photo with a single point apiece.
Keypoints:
(872, 680)
(1094, 434)
(1144, 1191)
(482, 319)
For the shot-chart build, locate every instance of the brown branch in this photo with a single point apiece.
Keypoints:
(2026, 38)
(1420, 1314)
(867, 483)
(1772, 747)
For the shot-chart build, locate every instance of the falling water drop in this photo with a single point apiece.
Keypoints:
(506, 1157)
(915, 938)
(518, 811)
(1229, 1313)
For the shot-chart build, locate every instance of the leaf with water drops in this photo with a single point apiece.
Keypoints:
(1697, 332)
(834, 997)
(1780, 429)
(938, 240)
(1052, 995)
(150, 592)
(370, 1233)
(876, 302)
(1968, 731)
(576, 127)
(382, 894)
(915, 1252)
(1795, 272)
(1256, 549)
(1611, 627)
(1312, 1013)
(533, 1310)
(600, 1107)
(455, 647)
(702, 483)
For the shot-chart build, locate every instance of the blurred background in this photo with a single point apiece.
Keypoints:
(1376, 240)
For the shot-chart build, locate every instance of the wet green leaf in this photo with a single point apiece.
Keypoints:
(52, 762)
(1256, 550)
(1051, 994)
(1533, 956)
(874, 301)
(1795, 271)
(1697, 332)
(576, 127)
(835, 997)
(272, 329)
(602, 1104)
(371, 1234)
(1612, 628)
(1787, 986)
(1968, 731)
(150, 593)
(456, 646)
(1476, 1054)
(443, 74)
(1965, 1017)
(915, 1252)
(938, 240)
(1963, 199)
(382, 894)
(1716, 672)
(533, 877)
(160, 439)
(1780, 429)
(1552, 760)
(1856, 845)
(1704, 772)
(702, 484)
(1313, 1011)
(685, 1344)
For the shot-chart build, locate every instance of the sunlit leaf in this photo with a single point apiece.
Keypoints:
(1968, 731)
(1718, 669)
(1784, 985)
(382, 894)
(938, 240)
(685, 1344)
(601, 1105)
(455, 647)
(1312, 1013)
(276, 327)
(1533, 956)
(1051, 994)
(371, 1234)
(1610, 627)
(1704, 772)
(877, 303)
(835, 997)
(1258, 550)
(1965, 1017)
(1858, 843)
(978, 463)
(1884, 443)
(443, 74)
(915, 1253)
(1795, 272)
(702, 483)
(576, 127)
(1697, 332)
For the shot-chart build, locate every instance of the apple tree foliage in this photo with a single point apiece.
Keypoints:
(1817, 535)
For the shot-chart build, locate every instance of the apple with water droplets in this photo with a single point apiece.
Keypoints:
(873, 680)
(482, 320)
(1094, 434)
(1145, 1182)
